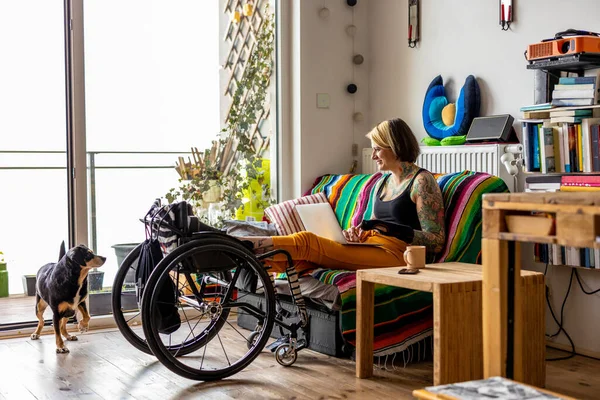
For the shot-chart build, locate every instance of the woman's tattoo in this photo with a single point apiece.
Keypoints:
(430, 210)
(260, 247)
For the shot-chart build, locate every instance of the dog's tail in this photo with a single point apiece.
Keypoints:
(62, 252)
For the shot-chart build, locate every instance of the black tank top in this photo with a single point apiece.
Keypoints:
(401, 210)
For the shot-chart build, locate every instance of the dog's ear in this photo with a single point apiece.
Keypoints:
(77, 254)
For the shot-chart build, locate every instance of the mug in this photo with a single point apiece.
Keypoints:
(414, 257)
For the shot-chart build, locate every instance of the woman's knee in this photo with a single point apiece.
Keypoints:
(305, 237)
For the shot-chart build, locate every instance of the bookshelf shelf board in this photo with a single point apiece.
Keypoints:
(574, 266)
(573, 63)
(517, 237)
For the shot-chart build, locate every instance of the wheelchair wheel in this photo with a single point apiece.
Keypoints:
(125, 308)
(217, 266)
(124, 302)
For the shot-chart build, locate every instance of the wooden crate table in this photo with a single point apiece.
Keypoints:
(577, 223)
(457, 317)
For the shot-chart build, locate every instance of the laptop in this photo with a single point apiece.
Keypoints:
(320, 219)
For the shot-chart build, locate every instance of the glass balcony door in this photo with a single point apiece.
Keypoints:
(33, 184)
(151, 82)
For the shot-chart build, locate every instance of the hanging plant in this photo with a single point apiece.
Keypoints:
(232, 163)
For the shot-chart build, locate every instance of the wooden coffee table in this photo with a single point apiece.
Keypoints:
(457, 318)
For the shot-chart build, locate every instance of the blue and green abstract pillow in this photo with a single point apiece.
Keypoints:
(442, 119)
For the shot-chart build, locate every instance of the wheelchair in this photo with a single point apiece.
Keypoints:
(203, 279)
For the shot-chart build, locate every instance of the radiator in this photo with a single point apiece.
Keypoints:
(447, 159)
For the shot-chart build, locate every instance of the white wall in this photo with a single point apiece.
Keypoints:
(462, 38)
(457, 39)
(322, 138)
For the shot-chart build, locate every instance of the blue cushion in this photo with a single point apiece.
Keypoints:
(467, 108)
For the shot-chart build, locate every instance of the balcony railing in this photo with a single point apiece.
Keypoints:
(121, 187)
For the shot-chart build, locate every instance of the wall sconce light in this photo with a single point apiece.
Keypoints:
(324, 13)
(358, 116)
(351, 30)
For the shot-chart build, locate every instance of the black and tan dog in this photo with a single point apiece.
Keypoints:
(63, 287)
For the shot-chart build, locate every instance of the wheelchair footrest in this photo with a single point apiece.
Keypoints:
(282, 340)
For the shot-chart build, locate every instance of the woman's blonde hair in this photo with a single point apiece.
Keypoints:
(397, 136)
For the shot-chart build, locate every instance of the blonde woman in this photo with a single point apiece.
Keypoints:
(408, 209)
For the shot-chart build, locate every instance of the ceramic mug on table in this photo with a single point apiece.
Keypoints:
(414, 257)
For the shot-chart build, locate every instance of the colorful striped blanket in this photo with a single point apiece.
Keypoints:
(402, 316)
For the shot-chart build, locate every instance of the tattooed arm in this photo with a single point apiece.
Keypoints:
(427, 196)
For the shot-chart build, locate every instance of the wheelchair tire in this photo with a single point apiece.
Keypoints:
(208, 254)
(118, 292)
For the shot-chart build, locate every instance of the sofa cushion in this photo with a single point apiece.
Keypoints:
(286, 218)
(349, 195)
(462, 192)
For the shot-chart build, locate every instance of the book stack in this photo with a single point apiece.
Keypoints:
(580, 183)
(565, 140)
(555, 254)
(575, 91)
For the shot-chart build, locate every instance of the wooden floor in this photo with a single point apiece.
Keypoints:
(102, 365)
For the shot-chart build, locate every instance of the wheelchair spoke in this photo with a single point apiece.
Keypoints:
(136, 315)
(207, 277)
(235, 329)
(223, 347)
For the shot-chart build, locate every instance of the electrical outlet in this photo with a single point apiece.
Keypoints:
(355, 149)
(322, 100)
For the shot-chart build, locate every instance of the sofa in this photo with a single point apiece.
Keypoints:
(403, 317)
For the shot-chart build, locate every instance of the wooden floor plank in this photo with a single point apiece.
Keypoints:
(102, 364)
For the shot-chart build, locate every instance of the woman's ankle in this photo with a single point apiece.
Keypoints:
(260, 244)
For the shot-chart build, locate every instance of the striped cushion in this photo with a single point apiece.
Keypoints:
(286, 218)
(349, 195)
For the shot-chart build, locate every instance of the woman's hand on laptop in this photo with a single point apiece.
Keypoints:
(355, 234)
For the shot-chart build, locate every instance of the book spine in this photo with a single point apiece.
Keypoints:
(565, 148)
(573, 94)
(579, 148)
(595, 143)
(577, 86)
(579, 179)
(573, 80)
(548, 153)
(526, 146)
(572, 102)
(573, 148)
(536, 147)
(580, 188)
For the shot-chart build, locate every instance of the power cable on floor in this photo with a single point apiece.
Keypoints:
(560, 323)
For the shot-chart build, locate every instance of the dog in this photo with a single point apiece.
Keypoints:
(63, 287)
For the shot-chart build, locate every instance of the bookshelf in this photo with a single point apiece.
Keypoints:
(578, 256)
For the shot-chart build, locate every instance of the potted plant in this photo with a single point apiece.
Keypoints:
(95, 279)
(232, 172)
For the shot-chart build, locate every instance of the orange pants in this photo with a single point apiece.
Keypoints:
(310, 251)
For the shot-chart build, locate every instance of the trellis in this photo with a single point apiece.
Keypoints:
(240, 37)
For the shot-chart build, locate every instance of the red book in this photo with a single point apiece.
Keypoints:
(580, 180)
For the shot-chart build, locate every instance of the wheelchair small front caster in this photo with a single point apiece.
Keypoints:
(286, 355)
(252, 339)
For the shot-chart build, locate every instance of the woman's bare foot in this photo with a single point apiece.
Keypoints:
(261, 244)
